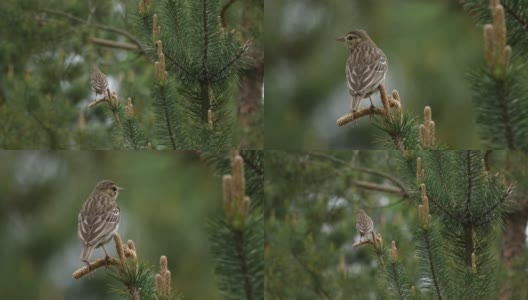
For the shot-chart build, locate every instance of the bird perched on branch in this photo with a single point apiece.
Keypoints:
(365, 68)
(98, 218)
(364, 224)
(99, 82)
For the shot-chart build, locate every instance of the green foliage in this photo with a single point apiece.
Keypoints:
(501, 107)
(238, 257)
(51, 47)
(168, 117)
(516, 20)
(137, 281)
(500, 96)
(429, 45)
(237, 245)
(202, 60)
(403, 132)
(434, 276)
(131, 132)
(395, 279)
(169, 196)
(312, 199)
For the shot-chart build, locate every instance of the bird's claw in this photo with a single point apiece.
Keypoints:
(107, 261)
(89, 266)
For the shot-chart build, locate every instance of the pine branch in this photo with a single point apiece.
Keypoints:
(432, 260)
(180, 67)
(388, 103)
(230, 64)
(251, 164)
(432, 268)
(395, 279)
(505, 197)
(314, 276)
(167, 116)
(138, 281)
(237, 241)
(503, 105)
(468, 220)
(518, 17)
(205, 28)
(238, 237)
(167, 119)
(469, 184)
(499, 85)
(123, 252)
(205, 101)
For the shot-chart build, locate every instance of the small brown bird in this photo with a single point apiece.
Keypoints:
(364, 224)
(99, 82)
(365, 68)
(98, 218)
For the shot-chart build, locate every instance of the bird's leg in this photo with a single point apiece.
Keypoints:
(371, 104)
(89, 266)
(107, 258)
(352, 110)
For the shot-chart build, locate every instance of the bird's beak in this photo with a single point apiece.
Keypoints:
(120, 188)
(340, 39)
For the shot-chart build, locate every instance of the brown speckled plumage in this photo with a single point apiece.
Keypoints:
(365, 68)
(98, 218)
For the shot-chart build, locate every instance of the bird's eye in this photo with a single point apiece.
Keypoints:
(114, 188)
(349, 38)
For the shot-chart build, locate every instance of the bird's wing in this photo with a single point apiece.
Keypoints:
(94, 227)
(365, 69)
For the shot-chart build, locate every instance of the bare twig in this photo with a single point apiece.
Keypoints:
(127, 34)
(365, 242)
(359, 114)
(105, 261)
(392, 101)
(224, 10)
(101, 262)
(380, 187)
(114, 44)
(390, 177)
(97, 101)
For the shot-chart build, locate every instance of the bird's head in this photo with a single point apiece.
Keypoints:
(354, 38)
(108, 187)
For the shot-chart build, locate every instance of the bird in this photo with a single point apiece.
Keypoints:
(98, 218)
(99, 82)
(366, 66)
(364, 224)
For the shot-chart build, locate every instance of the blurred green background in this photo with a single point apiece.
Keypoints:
(169, 197)
(430, 46)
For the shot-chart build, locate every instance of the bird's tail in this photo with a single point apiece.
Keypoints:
(354, 104)
(87, 252)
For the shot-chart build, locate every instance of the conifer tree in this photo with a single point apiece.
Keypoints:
(437, 218)
(139, 282)
(237, 237)
(498, 83)
(173, 67)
